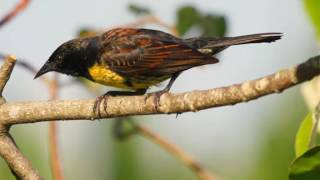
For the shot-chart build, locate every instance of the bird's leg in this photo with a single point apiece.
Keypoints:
(158, 94)
(104, 98)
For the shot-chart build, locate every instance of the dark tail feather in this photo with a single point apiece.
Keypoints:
(254, 38)
(215, 45)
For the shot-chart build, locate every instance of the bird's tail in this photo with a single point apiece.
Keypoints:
(214, 45)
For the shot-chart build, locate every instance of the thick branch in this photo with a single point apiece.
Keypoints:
(5, 71)
(36, 111)
(19, 165)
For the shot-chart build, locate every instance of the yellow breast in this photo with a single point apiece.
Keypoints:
(103, 75)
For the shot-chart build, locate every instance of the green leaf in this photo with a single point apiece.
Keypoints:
(307, 166)
(85, 32)
(187, 17)
(213, 26)
(138, 10)
(304, 135)
(313, 9)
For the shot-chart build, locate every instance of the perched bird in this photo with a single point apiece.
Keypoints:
(136, 59)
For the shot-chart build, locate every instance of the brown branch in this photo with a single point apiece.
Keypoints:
(202, 173)
(53, 139)
(19, 165)
(20, 6)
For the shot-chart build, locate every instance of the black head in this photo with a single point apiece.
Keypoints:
(72, 57)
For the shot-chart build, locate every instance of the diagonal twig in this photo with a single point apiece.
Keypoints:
(19, 7)
(199, 170)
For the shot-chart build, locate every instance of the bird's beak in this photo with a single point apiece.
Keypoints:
(45, 68)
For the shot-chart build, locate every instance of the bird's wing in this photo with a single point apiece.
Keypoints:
(142, 52)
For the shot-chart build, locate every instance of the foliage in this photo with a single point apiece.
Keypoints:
(303, 138)
(138, 10)
(307, 162)
(307, 166)
(209, 24)
(313, 10)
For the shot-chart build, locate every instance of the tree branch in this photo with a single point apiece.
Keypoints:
(19, 165)
(37, 111)
(5, 71)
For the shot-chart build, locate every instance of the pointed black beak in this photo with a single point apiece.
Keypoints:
(45, 68)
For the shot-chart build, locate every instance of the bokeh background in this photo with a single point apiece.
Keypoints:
(247, 141)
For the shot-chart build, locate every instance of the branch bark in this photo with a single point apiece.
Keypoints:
(38, 111)
(19, 165)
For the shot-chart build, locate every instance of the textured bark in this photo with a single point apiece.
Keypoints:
(38, 111)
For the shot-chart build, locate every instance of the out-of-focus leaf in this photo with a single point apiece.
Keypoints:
(85, 32)
(138, 10)
(187, 16)
(304, 135)
(313, 9)
(123, 128)
(307, 166)
(213, 25)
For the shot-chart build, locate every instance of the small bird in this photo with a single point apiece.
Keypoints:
(136, 59)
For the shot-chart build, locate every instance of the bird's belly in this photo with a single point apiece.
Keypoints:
(103, 75)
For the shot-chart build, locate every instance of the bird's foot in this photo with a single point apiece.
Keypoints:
(156, 100)
(97, 104)
(104, 99)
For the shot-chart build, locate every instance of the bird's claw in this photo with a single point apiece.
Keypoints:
(156, 100)
(97, 104)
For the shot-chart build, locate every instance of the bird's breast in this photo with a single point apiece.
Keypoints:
(104, 75)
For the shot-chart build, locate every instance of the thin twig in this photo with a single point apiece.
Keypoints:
(53, 136)
(19, 7)
(202, 173)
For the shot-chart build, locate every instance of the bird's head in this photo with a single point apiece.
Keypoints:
(72, 57)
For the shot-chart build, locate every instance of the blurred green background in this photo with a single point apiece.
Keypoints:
(248, 141)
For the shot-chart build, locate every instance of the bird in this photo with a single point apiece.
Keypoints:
(134, 59)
